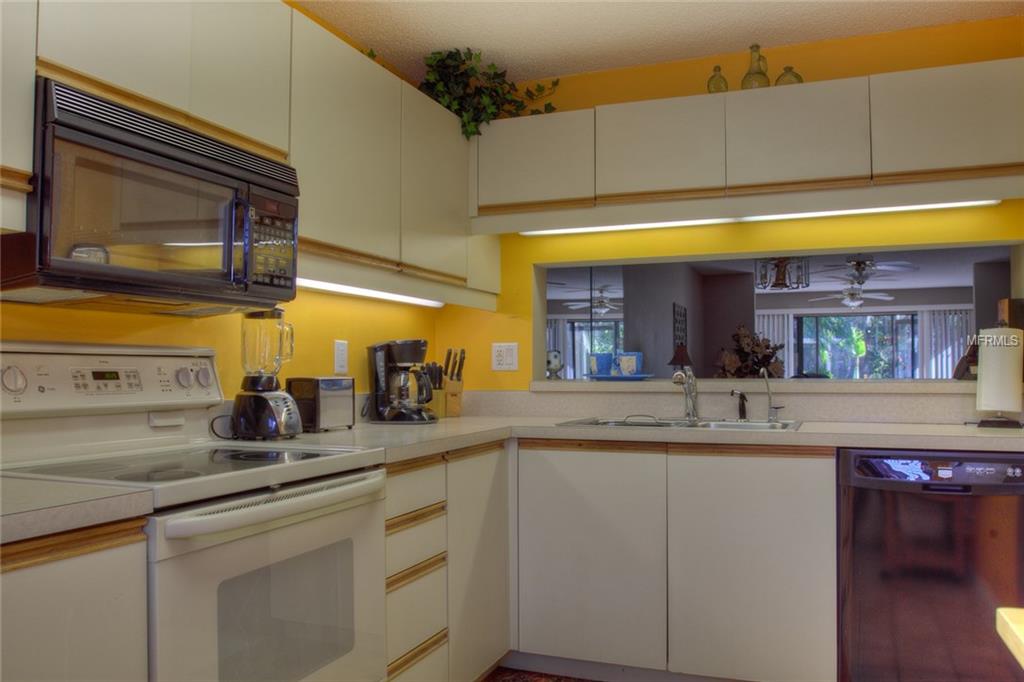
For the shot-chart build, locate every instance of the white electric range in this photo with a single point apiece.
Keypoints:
(266, 559)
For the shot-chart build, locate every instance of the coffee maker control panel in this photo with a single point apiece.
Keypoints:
(51, 379)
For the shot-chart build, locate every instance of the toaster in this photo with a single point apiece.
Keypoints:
(325, 403)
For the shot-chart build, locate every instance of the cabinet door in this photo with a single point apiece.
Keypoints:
(435, 185)
(752, 567)
(478, 599)
(811, 131)
(17, 73)
(592, 563)
(139, 46)
(661, 145)
(537, 158)
(948, 117)
(82, 618)
(241, 67)
(345, 143)
(484, 267)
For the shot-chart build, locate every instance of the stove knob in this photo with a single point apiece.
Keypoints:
(184, 377)
(13, 380)
(204, 376)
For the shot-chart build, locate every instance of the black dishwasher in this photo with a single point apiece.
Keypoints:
(930, 544)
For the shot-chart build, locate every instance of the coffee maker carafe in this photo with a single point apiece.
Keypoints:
(400, 390)
(262, 410)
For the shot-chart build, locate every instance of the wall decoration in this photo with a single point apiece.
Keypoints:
(679, 330)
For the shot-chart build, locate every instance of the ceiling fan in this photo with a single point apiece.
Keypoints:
(600, 303)
(860, 267)
(853, 296)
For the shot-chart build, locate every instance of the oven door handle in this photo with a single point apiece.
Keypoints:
(273, 506)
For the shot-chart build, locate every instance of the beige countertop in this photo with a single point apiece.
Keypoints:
(32, 507)
(1010, 626)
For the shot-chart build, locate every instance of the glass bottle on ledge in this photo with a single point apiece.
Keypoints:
(756, 76)
(788, 77)
(717, 82)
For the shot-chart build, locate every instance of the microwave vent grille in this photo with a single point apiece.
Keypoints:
(71, 101)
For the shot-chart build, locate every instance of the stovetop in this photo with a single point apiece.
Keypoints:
(203, 472)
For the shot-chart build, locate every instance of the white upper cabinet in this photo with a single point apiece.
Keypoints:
(138, 46)
(592, 562)
(240, 67)
(795, 133)
(752, 567)
(661, 145)
(345, 143)
(18, 64)
(435, 185)
(948, 117)
(537, 158)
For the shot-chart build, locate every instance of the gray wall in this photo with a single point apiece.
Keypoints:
(649, 292)
(991, 283)
(728, 301)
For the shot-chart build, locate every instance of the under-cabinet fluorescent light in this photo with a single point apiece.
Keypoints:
(861, 211)
(367, 293)
(629, 226)
(193, 243)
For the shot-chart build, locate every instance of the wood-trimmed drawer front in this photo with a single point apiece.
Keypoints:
(425, 537)
(416, 610)
(414, 487)
(426, 663)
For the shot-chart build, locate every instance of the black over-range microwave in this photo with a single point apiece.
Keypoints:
(130, 212)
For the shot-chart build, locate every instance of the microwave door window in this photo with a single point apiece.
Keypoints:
(116, 211)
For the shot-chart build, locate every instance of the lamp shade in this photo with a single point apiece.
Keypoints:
(681, 357)
(1000, 365)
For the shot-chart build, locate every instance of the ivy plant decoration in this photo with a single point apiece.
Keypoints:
(478, 94)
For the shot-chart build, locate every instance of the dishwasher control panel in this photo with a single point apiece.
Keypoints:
(995, 468)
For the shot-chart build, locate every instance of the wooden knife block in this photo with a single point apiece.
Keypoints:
(453, 398)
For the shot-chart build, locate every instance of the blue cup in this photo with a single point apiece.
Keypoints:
(629, 364)
(600, 363)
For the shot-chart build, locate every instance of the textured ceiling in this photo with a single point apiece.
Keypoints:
(542, 39)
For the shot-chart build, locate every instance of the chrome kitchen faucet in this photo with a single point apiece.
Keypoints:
(688, 381)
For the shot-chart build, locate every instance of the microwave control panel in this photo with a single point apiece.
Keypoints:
(47, 383)
(273, 249)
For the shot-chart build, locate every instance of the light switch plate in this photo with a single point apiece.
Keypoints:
(504, 357)
(341, 357)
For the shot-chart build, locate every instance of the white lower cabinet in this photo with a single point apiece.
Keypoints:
(752, 566)
(81, 618)
(478, 547)
(592, 552)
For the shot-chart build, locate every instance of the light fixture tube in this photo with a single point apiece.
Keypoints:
(333, 288)
(862, 211)
(629, 226)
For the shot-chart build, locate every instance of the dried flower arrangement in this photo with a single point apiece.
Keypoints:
(750, 353)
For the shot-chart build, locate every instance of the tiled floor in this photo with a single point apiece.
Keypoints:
(509, 675)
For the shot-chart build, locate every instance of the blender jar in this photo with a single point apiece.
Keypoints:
(267, 342)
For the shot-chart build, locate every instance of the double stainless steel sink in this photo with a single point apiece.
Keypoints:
(647, 421)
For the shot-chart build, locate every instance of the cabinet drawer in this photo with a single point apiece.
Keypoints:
(416, 611)
(409, 546)
(409, 490)
(431, 668)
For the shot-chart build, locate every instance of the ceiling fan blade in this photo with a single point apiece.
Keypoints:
(879, 297)
(576, 305)
(896, 266)
(557, 284)
(830, 297)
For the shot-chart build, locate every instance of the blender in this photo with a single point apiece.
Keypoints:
(262, 410)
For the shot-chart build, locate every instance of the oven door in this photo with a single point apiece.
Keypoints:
(285, 586)
(126, 219)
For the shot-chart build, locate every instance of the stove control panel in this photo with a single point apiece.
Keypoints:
(49, 379)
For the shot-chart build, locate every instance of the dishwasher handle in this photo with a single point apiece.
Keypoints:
(273, 506)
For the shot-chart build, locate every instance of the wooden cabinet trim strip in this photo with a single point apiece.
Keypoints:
(659, 195)
(340, 253)
(534, 206)
(72, 543)
(474, 450)
(601, 445)
(740, 450)
(799, 186)
(409, 465)
(414, 573)
(417, 654)
(127, 98)
(415, 518)
(15, 179)
(938, 174)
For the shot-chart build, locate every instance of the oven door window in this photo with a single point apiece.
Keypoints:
(111, 210)
(289, 619)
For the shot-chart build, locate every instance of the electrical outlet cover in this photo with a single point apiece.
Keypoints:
(504, 357)
(341, 357)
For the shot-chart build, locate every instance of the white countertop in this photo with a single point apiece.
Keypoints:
(31, 507)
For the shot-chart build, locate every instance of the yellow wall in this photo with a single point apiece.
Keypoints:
(919, 48)
(319, 319)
